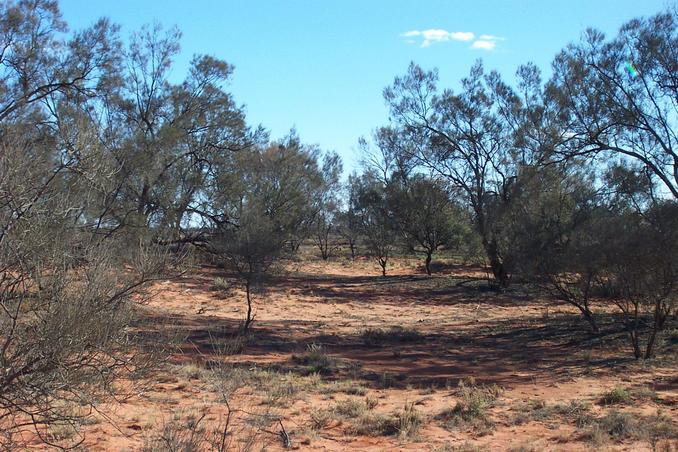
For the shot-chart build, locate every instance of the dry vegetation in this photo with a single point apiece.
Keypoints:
(502, 274)
(340, 359)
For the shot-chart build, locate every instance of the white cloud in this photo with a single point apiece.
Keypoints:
(462, 35)
(433, 35)
(491, 38)
(484, 45)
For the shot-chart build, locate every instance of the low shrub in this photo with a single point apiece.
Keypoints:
(394, 334)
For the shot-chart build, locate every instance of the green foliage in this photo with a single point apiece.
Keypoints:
(616, 396)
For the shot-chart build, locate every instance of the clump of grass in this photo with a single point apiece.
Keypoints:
(616, 396)
(375, 424)
(351, 408)
(661, 427)
(222, 284)
(534, 410)
(410, 421)
(349, 387)
(394, 334)
(406, 422)
(524, 447)
(616, 425)
(64, 430)
(644, 393)
(471, 409)
(316, 360)
(371, 402)
(191, 371)
(387, 380)
(276, 388)
(466, 446)
(320, 419)
(577, 412)
(177, 435)
(619, 426)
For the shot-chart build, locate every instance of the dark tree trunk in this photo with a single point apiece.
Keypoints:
(248, 319)
(497, 266)
(382, 263)
(351, 245)
(588, 315)
(429, 257)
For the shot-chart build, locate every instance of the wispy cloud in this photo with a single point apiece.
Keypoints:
(491, 38)
(486, 42)
(433, 35)
(484, 45)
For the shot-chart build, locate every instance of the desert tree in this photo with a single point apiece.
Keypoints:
(554, 229)
(327, 200)
(464, 139)
(71, 265)
(349, 225)
(66, 290)
(425, 215)
(640, 248)
(258, 206)
(378, 229)
(620, 95)
(167, 138)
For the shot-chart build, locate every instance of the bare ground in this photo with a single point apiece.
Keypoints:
(545, 375)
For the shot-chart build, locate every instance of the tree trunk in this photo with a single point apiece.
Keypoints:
(498, 268)
(429, 255)
(649, 348)
(588, 315)
(382, 263)
(248, 319)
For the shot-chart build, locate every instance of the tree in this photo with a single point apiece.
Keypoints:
(426, 216)
(463, 139)
(257, 207)
(554, 231)
(167, 139)
(326, 200)
(620, 96)
(67, 277)
(640, 249)
(375, 217)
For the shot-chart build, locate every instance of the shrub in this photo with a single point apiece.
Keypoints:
(320, 419)
(535, 410)
(375, 424)
(620, 426)
(222, 284)
(471, 409)
(394, 334)
(616, 396)
(410, 421)
(351, 408)
(577, 412)
(316, 360)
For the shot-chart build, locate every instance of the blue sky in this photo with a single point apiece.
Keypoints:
(321, 66)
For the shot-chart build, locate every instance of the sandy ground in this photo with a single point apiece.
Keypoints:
(536, 351)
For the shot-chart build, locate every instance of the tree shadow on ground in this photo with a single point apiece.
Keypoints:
(506, 352)
(393, 290)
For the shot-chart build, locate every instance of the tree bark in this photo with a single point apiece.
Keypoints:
(429, 256)
(497, 266)
(382, 263)
(248, 319)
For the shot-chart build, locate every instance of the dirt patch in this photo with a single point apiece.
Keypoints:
(343, 359)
